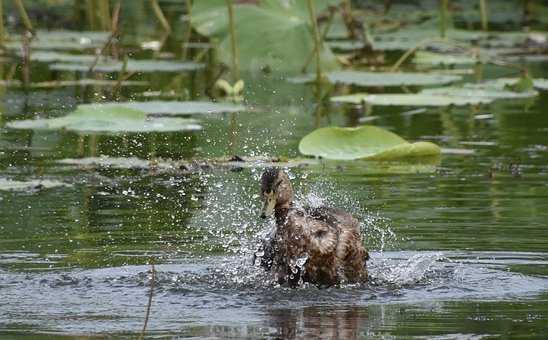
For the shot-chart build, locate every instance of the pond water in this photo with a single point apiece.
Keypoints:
(457, 252)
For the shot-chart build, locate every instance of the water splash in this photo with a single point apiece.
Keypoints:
(413, 270)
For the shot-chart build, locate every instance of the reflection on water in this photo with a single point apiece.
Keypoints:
(225, 296)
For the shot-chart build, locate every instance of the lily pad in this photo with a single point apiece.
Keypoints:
(478, 91)
(32, 185)
(179, 108)
(433, 58)
(390, 78)
(87, 82)
(274, 34)
(76, 82)
(132, 66)
(107, 119)
(63, 40)
(365, 142)
(419, 99)
(346, 45)
(51, 56)
(538, 83)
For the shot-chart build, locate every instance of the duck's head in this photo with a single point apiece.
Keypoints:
(276, 191)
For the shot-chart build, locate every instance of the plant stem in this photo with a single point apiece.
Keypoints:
(483, 13)
(419, 45)
(527, 12)
(444, 14)
(113, 34)
(104, 14)
(160, 15)
(90, 11)
(25, 69)
(150, 295)
(323, 37)
(24, 16)
(1, 22)
(188, 32)
(233, 42)
(317, 40)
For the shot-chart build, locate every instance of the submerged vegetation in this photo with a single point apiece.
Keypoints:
(303, 42)
(134, 133)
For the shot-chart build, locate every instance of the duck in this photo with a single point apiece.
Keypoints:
(319, 245)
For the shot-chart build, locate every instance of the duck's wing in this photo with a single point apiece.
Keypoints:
(350, 250)
(335, 217)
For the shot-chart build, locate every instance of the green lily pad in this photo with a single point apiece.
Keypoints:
(273, 34)
(51, 56)
(478, 91)
(63, 40)
(32, 185)
(432, 58)
(86, 82)
(76, 82)
(365, 142)
(384, 79)
(419, 99)
(501, 83)
(346, 45)
(179, 108)
(109, 120)
(404, 45)
(132, 66)
(390, 78)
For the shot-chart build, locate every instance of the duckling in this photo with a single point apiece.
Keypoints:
(319, 245)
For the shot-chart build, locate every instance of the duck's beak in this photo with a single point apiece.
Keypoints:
(269, 204)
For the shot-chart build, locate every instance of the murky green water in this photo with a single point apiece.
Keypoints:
(461, 252)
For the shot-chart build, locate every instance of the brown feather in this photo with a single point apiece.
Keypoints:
(318, 245)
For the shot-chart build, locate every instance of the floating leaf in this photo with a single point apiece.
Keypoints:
(541, 84)
(274, 34)
(346, 45)
(478, 91)
(177, 108)
(374, 79)
(432, 58)
(501, 83)
(50, 56)
(99, 118)
(63, 40)
(419, 99)
(78, 82)
(132, 66)
(390, 78)
(87, 82)
(365, 142)
(32, 185)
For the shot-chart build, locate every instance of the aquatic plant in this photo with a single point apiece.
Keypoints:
(275, 34)
(364, 142)
(108, 119)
